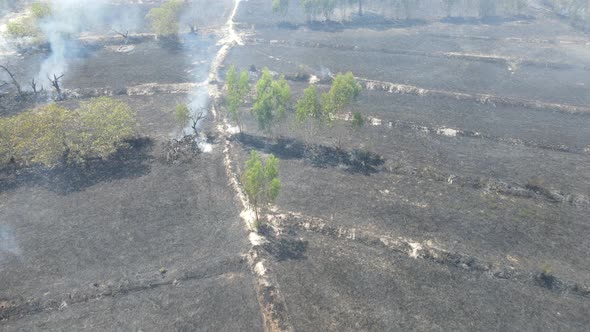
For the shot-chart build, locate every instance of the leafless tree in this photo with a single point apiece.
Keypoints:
(55, 84)
(124, 35)
(34, 87)
(14, 82)
(195, 120)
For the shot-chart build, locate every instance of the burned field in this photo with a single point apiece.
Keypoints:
(477, 189)
(132, 241)
(461, 204)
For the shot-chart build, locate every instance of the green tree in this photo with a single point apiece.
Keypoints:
(344, 90)
(52, 134)
(280, 6)
(309, 110)
(99, 128)
(261, 181)
(273, 98)
(238, 88)
(40, 9)
(39, 137)
(22, 27)
(164, 19)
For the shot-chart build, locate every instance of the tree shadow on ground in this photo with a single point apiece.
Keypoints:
(354, 161)
(287, 249)
(131, 162)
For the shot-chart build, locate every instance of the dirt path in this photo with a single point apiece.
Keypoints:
(270, 299)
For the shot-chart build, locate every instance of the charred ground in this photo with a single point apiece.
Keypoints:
(447, 211)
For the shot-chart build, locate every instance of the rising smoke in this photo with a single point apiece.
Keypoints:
(69, 19)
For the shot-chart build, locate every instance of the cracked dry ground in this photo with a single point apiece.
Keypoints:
(449, 232)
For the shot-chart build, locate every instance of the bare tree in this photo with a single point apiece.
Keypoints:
(14, 82)
(124, 35)
(55, 84)
(34, 87)
(195, 120)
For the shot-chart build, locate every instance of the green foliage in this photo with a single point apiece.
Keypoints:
(309, 110)
(164, 19)
(357, 121)
(182, 114)
(22, 27)
(280, 6)
(101, 126)
(238, 88)
(53, 134)
(345, 90)
(261, 180)
(40, 9)
(273, 98)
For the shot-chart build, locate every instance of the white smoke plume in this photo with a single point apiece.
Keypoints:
(70, 18)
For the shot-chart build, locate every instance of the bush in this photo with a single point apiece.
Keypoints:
(52, 134)
(22, 27)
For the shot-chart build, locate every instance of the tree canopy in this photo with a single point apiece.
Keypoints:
(238, 88)
(273, 98)
(52, 134)
(261, 180)
(345, 89)
(164, 19)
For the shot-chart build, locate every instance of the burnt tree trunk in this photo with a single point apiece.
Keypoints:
(14, 82)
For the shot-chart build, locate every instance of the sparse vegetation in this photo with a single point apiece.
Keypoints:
(28, 26)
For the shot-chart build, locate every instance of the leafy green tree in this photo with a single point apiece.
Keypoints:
(164, 19)
(22, 27)
(238, 88)
(280, 6)
(52, 134)
(99, 128)
(309, 110)
(273, 98)
(345, 90)
(39, 137)
(261, 181)
(40, 9)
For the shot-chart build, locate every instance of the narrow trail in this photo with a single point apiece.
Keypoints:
(271, 301)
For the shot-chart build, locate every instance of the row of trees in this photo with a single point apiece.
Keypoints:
(273, 98)
(326, 8)
(53, 135)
